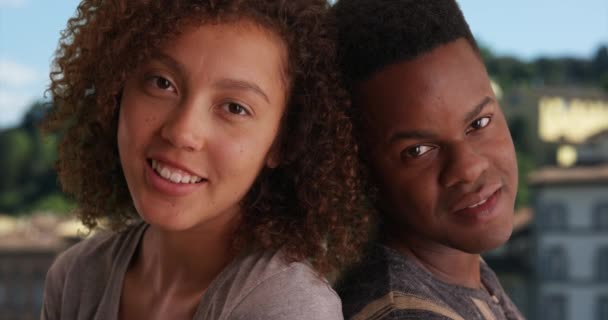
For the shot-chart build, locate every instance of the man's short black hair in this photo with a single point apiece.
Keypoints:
(372, 34)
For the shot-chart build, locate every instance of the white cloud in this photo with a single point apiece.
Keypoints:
(13, 74)
(12, 3)
(13, 106)
(19, 87)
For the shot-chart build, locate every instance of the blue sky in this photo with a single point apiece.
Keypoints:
(29, 30)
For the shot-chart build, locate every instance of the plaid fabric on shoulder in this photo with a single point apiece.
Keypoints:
(395, 300)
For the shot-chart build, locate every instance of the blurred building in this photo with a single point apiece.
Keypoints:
(28, 247)
(544, 119)
(558, 114)
(594, 150)
(570, 236)
(555, 266)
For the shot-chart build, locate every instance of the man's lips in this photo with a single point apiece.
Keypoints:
(474, 199)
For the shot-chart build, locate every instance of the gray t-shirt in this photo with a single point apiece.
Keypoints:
(85, 282)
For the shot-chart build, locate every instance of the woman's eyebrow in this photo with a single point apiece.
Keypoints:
(224, 83)
(238, 84)
(169, 61)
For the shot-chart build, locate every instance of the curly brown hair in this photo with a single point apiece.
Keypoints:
(312, 205)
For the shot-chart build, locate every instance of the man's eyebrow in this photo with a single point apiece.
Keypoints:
(411, 134)
(471, 115)
(237, 84)
(424, 134)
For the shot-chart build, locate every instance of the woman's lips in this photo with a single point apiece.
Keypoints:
(168, 186)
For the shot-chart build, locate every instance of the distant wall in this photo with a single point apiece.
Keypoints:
(571, 120)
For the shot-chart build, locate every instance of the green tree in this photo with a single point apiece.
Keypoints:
(599, 66)
(30, 182)
(17, 151)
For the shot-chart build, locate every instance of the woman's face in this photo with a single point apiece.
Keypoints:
(198, 121)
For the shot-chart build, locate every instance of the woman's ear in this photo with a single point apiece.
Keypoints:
(273, 159)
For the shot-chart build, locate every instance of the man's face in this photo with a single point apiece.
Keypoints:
(440, 150)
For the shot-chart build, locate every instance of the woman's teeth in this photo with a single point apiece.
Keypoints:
(174, 175)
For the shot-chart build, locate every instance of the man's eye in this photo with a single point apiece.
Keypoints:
(480, 123)
(416, 151)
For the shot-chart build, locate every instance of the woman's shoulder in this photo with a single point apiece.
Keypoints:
(279, 278)
(100, 247)
(264, 285)
(77, 279)
(92, 258)
(293, 292)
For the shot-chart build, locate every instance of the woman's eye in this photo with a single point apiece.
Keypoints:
(236, 108)
(416, 151)
(480, 123)
(163, 83)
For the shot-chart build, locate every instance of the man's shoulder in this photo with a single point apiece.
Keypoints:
(370, 280)
(403, 306)
(387, 282)
(385, 269)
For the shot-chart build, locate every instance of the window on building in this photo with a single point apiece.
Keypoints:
(2, 293)
(553, 307)
(38, 293)
(18, 295)
(601, 264)
(554, 217)
(554, 263)
(602, 308)
(600, 216)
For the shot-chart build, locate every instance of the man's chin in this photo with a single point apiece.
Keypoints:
(486, 242)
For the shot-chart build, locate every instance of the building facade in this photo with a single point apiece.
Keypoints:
(28, 247)
(570, 255)
(22, 275)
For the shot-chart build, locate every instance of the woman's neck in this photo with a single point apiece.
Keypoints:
(187, 260)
